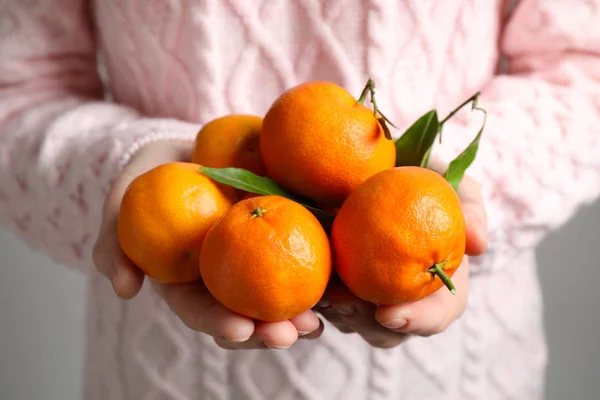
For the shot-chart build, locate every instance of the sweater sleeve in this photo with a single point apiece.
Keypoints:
(61, 144)
(539, 158)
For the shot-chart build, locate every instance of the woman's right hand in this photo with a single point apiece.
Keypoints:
(191, 302)
(200, 311)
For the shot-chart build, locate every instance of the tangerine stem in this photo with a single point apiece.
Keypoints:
(472, 99)
(370, 89)
(382, 119)
(371, 86)
(437, 270)
(453, 112)
(257, 212)
(365, 91)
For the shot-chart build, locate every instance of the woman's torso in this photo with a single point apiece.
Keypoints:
(199, 59)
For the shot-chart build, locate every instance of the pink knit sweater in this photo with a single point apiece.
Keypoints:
(172, 65)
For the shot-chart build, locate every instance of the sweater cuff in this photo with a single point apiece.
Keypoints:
(153, 130)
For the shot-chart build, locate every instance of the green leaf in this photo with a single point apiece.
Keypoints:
(425, 161)
(413, 146)
(457, 168)
(245, 180)
(242, 179)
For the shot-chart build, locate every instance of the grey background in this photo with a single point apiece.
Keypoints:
(42, 311)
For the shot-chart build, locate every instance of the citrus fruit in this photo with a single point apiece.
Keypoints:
(321, 143)
(230, 141)
(397, 234)
(165, 214)
(249, 195)
(268, 259)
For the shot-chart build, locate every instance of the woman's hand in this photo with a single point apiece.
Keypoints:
(200, 311)
(192, 302)
(388, 326)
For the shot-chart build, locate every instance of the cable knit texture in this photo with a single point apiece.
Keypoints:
(170, 65)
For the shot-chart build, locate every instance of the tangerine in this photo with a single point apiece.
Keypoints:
(321, 143)
(249, 195)
(268, 259)
(399, 237)
(165, 214)
(230, 141)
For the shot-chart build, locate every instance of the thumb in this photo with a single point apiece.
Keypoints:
(473, 209)
(474, 212)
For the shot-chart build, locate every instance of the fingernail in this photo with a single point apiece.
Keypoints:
(303, 333)
(235, 339)
(271, 346)
(399, 324)
(238, 340)
(345, 309)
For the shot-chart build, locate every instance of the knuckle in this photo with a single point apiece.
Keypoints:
(438, 323)
(436, 329)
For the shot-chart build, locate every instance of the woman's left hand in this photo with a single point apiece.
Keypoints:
(388, 326)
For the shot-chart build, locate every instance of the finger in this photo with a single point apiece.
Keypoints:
(277, 335)
(306, 322)
(431, 315)
(359, 315)
(316, 333)
(473, 210)
(200, 311)
(129, 279)
(267, 335)
(126, 278)
(103, 258)
(363, 322)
